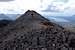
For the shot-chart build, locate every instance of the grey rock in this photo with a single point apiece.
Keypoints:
(33, 31)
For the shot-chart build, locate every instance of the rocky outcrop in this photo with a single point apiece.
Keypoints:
(34, 32)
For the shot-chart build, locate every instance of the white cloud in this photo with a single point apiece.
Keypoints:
(19, 6)
(51, 7)
(10, 7)
(6, 0)
(60, 20)
(27, 4)
(59, 8)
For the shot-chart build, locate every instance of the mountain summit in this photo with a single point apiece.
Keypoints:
(31, 31)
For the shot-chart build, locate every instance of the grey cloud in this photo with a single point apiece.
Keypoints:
(65, 1)
(41, 0)
(49, 9)
(6, 0)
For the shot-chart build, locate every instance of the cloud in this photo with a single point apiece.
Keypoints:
(51, 9)
(58, 7)
(54, 7)
(65, 1)
(57, 19)
(41, 1)
(6, 0)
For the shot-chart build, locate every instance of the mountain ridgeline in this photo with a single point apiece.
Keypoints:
(31, 31)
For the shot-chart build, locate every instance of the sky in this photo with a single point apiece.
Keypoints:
(45, 7)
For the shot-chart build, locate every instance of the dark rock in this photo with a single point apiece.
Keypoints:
(33, 31)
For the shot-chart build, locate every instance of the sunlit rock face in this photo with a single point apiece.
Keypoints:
(33, 31)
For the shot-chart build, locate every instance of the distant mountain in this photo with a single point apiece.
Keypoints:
(4, 20)
(67, 22)
(4, 17)
(9, 16)
(68, 25)
(71, 19)
(13, 16)
(31, 31)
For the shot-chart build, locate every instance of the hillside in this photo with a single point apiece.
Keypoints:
(33, 31)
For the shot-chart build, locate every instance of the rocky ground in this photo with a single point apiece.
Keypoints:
(33, 32)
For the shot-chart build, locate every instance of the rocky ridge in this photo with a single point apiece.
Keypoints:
(32, 31)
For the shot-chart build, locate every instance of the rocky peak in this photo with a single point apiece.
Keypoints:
(31, 31)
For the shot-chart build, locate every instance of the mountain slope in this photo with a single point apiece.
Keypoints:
(33, 31)
(3, 17)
